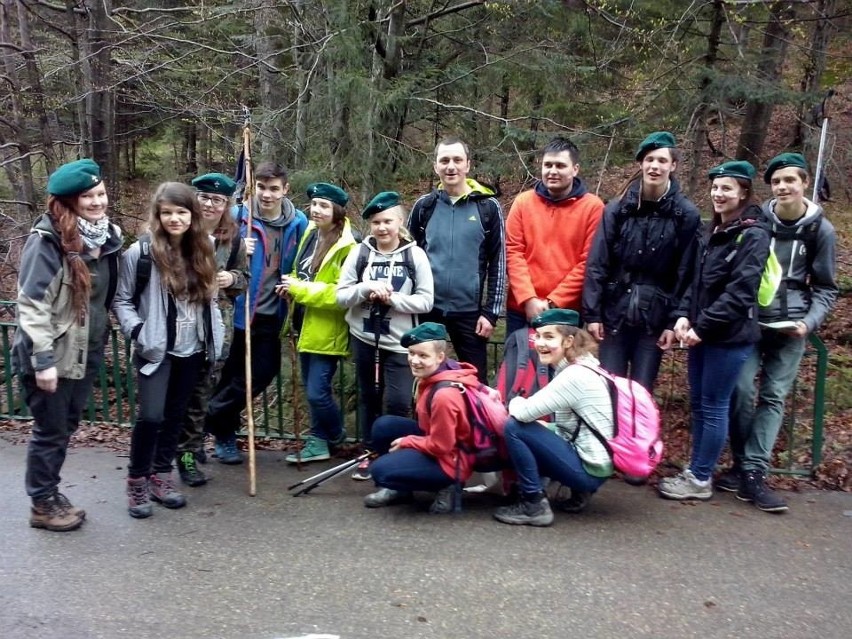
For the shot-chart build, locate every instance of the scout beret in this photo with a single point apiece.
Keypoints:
(556, 316)
(657, 140)
(782, 162)
(426, 332)
(74, 177)
(329, 192)
(381, 202)
(735, 169)
(215, 183)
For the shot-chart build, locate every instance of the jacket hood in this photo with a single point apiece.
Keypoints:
(578, 189)
(288, 212)
(43, 225)
(812, 212)
(752, 216)
(464, 374)
(632, 195)
(477, 189)
(370, 243)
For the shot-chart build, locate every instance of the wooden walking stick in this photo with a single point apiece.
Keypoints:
(248, 201)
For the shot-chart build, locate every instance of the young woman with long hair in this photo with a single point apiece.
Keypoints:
(316, 317)
(176, 328)
(640, 264)
(566, 450)
(718, 321)
(66, 282)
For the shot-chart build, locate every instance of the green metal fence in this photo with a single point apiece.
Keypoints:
(114, 398)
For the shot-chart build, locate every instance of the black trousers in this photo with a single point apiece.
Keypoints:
(55, 418)
(161, 412)
(229, 398)
(469, 346)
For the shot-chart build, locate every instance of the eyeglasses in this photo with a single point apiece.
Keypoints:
(215, 200)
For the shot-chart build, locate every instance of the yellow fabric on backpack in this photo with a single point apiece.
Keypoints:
(770, 279)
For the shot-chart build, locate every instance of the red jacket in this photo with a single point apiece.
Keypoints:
(445, 422)
(547, 243)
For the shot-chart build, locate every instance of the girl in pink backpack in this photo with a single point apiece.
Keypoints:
(566, 449)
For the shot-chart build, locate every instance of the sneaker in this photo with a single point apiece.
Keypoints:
(536, 512)
(201, 455)
(161, 487)
(314, 450)
(444, 501)
(188, 470)
(576, 503)
(386, 497)
(754, 489)
(362, 471)
(79, 512)
(338, 441)
(684, 486)
(729, 481)
(138, 499)
(51, 513)
(227, 451)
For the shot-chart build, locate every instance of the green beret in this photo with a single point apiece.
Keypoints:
(74, 178)
(381, 202)
(426, 332)
(328, 192)
(556, 316)
(782, 162)
(215, 183)
(735, 169)
(657, 140)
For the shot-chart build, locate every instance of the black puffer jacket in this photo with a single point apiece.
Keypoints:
(641, 261)
(722, 302)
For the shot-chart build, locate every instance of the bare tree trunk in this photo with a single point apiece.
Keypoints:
(759, 109)
(699, 130)
(190, 134)
(14, 121)
(267, 19)
(814, 68)
(85, 133)
(301, 60)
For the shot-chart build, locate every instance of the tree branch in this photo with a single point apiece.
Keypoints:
(443, 12)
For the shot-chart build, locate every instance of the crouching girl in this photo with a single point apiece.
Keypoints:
(176, 328)
(566, 450)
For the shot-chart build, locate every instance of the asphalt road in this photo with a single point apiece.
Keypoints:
(269, 567)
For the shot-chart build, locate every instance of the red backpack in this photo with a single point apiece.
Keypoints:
(521, 373)
(635, 447)
(487, 416)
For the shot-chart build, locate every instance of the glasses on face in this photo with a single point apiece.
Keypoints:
(215, 200)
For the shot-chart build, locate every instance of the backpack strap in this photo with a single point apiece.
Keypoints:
(235, 250)
(143, 268)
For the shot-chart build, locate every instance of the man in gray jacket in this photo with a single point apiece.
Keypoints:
(804, 243)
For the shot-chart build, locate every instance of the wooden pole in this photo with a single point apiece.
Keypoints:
(248, 201)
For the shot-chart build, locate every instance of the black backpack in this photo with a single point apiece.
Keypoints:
(427, 208)
(143, 265)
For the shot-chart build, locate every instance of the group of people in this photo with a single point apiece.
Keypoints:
(612, 286)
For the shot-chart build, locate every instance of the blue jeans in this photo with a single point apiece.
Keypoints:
(406, 469)
(393, 395)
(632, 347)
(754, 429)
(317, 374)
(536, 451)
(713, 372)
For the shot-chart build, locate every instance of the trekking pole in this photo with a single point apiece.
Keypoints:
(823, 136)
(324, 476)
(248, 199)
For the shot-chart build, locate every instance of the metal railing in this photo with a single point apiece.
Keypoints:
(113, 399)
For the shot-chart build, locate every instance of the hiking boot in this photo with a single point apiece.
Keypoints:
(576, 503)
(227, 451)
(188, 470)
(201, 455)
(138, 500)
(362, 471)
(524, 512)
(684, 486)
(729, 481)
(161, 487)
(51, 513)
(314, 450)
(753, 488)
(445, 499)
(386, 497)
(79, 512)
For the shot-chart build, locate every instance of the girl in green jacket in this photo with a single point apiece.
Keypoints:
(316, 317)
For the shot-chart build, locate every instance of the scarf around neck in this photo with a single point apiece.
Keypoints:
(94, 234)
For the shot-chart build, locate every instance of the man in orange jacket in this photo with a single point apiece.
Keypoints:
(548, 235)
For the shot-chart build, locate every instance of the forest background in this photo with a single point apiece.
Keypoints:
(358, 92)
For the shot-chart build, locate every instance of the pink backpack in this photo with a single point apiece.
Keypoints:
(636, 448)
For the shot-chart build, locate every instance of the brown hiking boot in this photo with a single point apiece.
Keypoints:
(138, 501)
(161, 488)
(71, 507)
(51, 514)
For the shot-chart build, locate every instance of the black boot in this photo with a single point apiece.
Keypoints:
(188, 470)
(753, 488)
